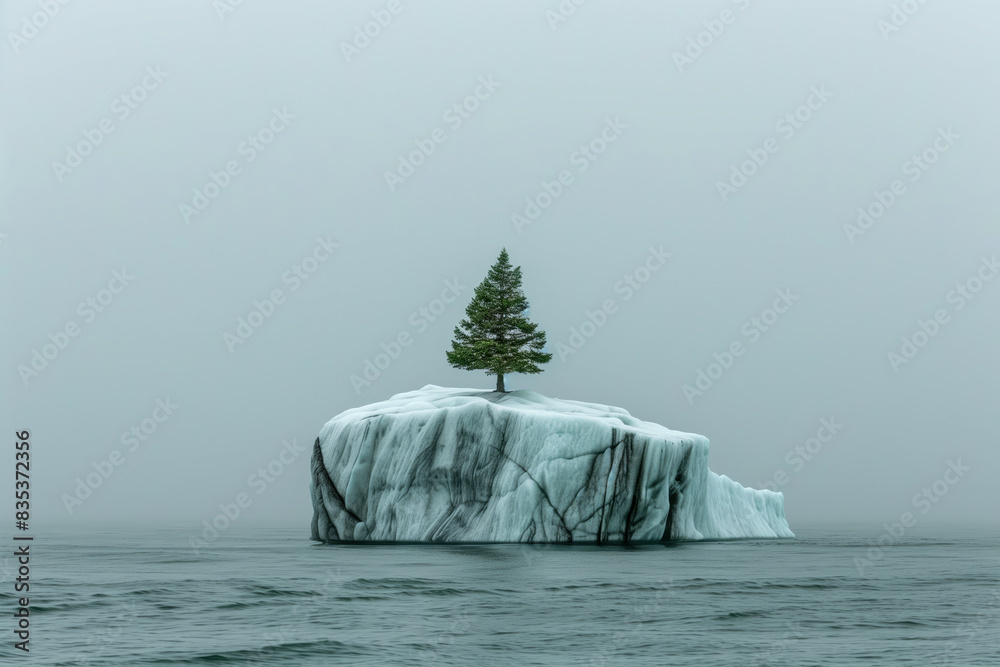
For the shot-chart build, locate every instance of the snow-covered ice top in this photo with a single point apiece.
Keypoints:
(467, 465)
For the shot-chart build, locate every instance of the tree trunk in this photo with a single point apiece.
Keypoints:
(500, 383)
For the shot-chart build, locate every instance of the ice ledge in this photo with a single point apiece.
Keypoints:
(467, 465)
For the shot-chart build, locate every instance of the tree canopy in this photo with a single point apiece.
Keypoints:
(496, 336)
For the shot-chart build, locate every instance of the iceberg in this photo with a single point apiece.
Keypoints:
(466, 465)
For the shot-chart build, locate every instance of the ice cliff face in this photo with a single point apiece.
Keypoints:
(465, 465)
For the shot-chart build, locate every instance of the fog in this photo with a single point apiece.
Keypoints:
(821, 176)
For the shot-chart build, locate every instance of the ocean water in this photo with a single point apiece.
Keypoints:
(272, 597)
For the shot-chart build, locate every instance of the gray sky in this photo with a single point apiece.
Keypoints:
(308, 117)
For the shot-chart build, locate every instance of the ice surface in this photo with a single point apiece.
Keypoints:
(468, 465)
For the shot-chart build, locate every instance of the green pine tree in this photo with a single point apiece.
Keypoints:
(497, 337)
